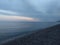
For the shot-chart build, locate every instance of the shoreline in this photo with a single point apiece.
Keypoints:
(40, 34)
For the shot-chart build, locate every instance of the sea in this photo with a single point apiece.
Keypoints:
(9, 30)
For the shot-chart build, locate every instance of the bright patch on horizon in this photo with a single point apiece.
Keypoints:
(16, 18)
(12, 16)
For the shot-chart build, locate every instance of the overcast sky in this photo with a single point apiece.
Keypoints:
(30, 10)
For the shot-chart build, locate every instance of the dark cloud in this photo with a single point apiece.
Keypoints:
(44, 10)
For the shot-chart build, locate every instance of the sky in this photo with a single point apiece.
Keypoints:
(30, 10)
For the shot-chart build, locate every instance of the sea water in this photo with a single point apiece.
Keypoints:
(13, 29)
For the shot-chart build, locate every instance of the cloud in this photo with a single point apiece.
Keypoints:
(16, 18)
(7, 12)
(45, 10)
(13, 16)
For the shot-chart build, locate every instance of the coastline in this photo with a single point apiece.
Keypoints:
(48, 36)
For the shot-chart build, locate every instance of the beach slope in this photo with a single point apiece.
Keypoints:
(48, 36)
